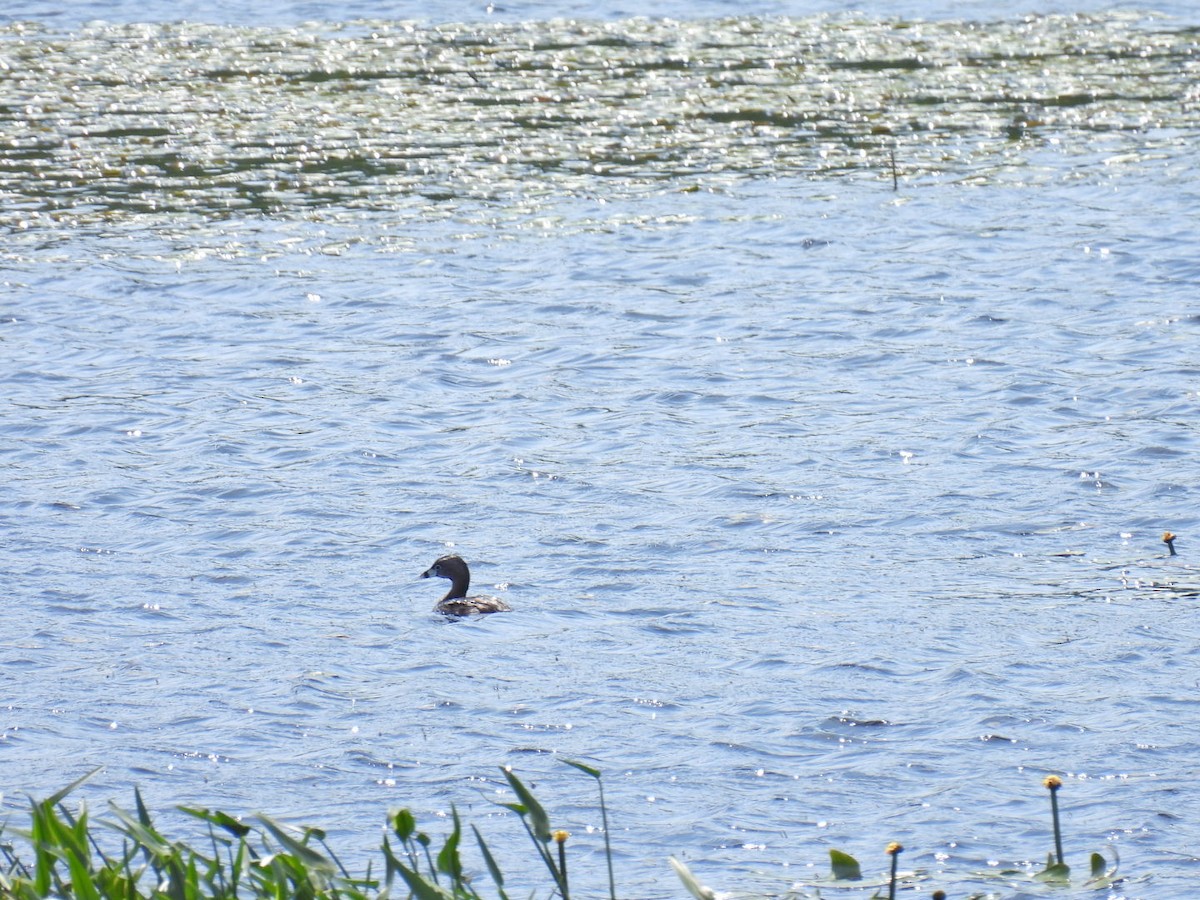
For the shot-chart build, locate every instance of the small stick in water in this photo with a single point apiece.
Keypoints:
(895, 180)
(1169, 540)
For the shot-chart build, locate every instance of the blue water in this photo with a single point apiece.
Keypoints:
(830, 516)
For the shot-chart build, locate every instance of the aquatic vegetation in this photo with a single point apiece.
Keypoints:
(845, 868)
(254, 857)
(258, 858)
(893, 850)
(62, 855)
(1056, 868)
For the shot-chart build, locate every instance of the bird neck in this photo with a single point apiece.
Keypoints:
(458, 586)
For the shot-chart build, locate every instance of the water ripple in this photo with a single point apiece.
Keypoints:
(191, 119)
(829, 515)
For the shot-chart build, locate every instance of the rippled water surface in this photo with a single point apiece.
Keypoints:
(828, 495)
(219, 120)
(58, 14)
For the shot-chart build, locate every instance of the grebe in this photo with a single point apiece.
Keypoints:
(456, 602)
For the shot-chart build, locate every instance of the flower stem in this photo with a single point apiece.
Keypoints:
(893, 850)
(560, 838)
(1053, 783)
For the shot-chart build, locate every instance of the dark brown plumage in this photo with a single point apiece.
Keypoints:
(456, 602)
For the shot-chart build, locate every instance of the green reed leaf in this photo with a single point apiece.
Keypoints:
(844, 866)
(539, 822)
(490, 862)
(583, 767)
